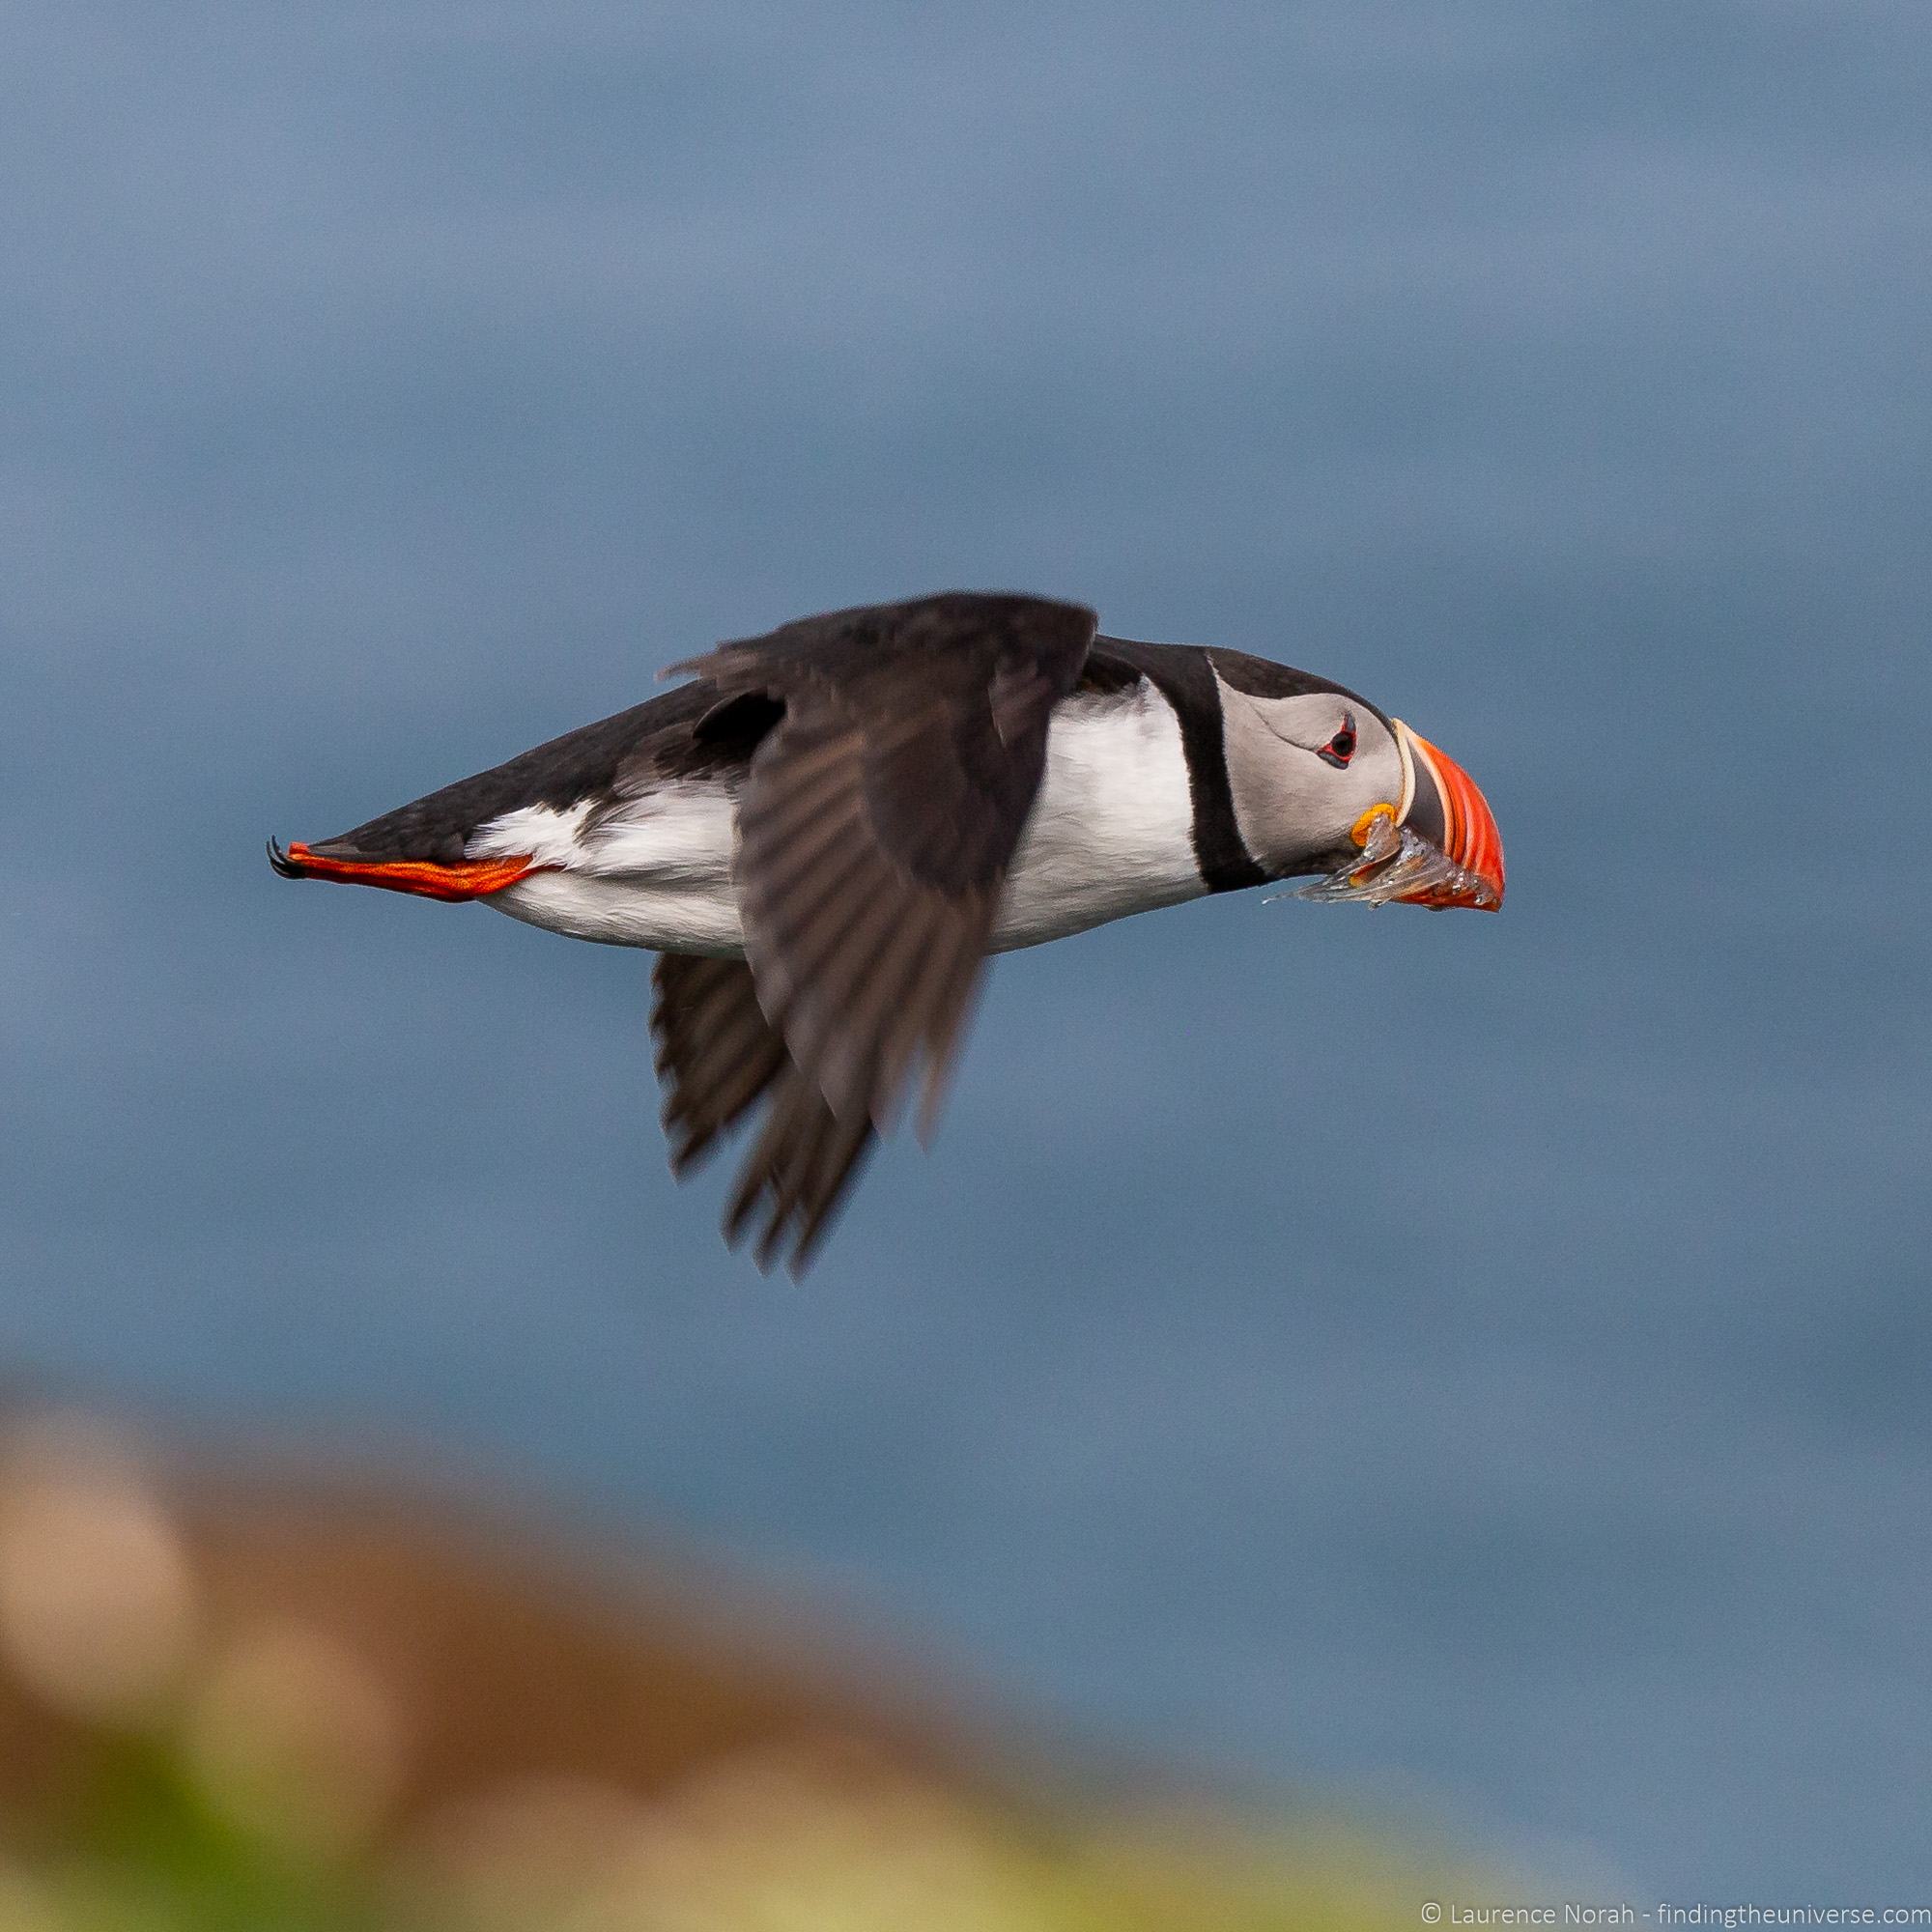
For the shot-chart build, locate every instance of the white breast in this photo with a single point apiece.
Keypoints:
(1112, 831)
(1111, 834)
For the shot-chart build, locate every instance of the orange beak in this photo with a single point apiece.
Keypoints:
(1447, 809)
(465, 879)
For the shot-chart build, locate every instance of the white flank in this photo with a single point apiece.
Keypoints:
(657, 872)
(538, 832)
(1112, 831)
(1111, 834)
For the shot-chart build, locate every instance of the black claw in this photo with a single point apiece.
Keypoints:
(281, 861)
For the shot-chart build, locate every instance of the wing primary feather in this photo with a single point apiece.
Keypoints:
(928, 1016)
(879, 1006)
(812, 1000)
(817, 1218)
(812, 1190)
(702, 1005)
(944, 1041)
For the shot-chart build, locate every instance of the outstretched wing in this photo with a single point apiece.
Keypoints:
(716, 1054)
(874, 831)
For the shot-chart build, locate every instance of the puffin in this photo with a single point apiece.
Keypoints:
(828, 829)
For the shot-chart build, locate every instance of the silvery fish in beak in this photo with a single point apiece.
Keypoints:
(827, 830)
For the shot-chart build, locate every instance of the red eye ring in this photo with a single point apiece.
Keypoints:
(1340, 748)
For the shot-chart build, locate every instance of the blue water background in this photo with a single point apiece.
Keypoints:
(1478, 1365)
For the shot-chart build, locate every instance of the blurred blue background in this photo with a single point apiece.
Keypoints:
(1475, 1365)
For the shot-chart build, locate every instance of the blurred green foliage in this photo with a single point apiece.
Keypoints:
(266, 1716)
(146, 1846)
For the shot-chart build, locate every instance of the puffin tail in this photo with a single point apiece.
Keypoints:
(451, 880)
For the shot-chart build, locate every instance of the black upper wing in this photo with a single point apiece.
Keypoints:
(875, 828)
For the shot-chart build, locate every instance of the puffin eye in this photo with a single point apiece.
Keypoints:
(1340, 748)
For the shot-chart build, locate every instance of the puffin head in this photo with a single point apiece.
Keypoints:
(1323, 782)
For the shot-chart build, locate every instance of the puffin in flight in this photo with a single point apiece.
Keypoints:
(825, 833)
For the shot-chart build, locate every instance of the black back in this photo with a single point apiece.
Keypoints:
(663, 734)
